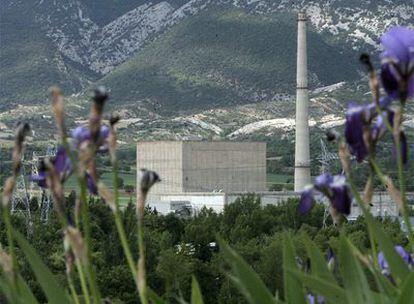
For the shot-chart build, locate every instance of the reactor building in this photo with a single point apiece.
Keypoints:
(202, 173)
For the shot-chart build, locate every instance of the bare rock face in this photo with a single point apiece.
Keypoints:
(76, 43)
(100, 48)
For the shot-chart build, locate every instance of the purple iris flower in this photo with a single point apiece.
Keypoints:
(40, 178)
(62, 161)
(383, 264)
(334, 188)
(315, 300)
(379, 128)
(397, 70)
(357, 117)
(83, 134)
(62, 165)
(306, 200)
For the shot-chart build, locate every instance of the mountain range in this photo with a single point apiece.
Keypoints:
(169, 60)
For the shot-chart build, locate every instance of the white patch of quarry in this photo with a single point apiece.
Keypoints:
(287, 124)
(127, 122)
(330, 88)
(330, 121)
(277, 123)
(196, 120)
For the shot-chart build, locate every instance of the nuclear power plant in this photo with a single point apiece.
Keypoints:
(212, 174)
(197, 174)
(302, 154)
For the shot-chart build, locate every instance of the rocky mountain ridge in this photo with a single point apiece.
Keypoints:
(101, 48)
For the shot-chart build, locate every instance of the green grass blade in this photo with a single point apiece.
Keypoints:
(386, 286)
(6, 290)
(27, 296)
(399, 269)
(386, 289)
(196, 297)
(24, 295)
(407, 291)
(330, 290)
(153, 297)
(292, 286)
(318, 261)
(53, 292)
(353, 276)
(245, 278)
(380, 298)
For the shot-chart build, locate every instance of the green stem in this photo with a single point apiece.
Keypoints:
(401, 179)
(84, 286)
(75, 168)
(401, 176)
(362, 205)
(7, 222)
(120, 226)
(378, 172)
(72, 289)
(142, 284)
(383, 180)
(85, 221)
(87, 231)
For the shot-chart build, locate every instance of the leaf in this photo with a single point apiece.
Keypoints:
(153, 297)
(6, 289)
(399, 269)
(331, 291)
(407, 291)
(53, 292)
(27, 296)
(292, 286)
(378, 297)
(353, 276)
(246, 280)
(386, 289)
(318, 261)
(22, 294)
(385, 285)
(196, 297)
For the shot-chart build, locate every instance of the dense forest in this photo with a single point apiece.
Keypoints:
(179, 247)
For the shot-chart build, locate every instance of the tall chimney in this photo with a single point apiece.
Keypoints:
(302, 158)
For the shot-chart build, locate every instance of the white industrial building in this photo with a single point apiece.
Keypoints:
(198, 173)
(213, 174)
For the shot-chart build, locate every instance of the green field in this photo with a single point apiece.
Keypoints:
(279, 179)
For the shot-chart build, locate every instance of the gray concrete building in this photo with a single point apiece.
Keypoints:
(201, 166)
